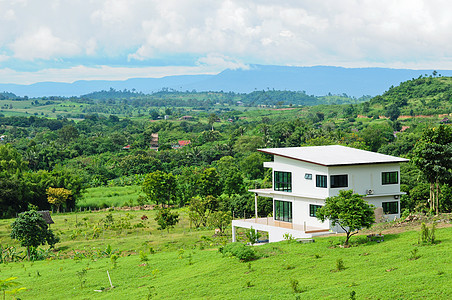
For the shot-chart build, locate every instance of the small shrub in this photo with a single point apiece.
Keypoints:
(340, 265)
(414, 254)
(427, 236)
(317, 256)
(288, 237)
(352, 295)
(143, 256)
(252, 235)
(240, 251)
(114, 260)
(249, 284)
(295, 287)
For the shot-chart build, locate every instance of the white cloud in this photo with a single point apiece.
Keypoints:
(42, 44)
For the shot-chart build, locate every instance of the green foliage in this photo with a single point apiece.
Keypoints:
(427, 236)
(432, 155)
(201, 208)
(252, 235)
(160, 187)
(220, 220)
(340, 265)
(414, 254)
(30, 229)
(348, 210)
(166, 219)
(8, 283)
(294, 284)
(239, 250)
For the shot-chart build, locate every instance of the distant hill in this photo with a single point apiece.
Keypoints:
(423, 95)
(319, 81)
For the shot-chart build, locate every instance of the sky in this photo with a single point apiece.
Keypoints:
(69, 40)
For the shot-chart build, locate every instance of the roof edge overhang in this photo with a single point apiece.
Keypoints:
(401, 160)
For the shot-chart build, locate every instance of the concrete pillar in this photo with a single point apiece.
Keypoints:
(233, 234)
(255, 204)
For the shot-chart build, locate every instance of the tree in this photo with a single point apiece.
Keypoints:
(220, 220)
(432, 154)
(201, 208)
(31, 230)
(57, 196)
(166, 219)
(160, 187)
(209, 183)
(348, 210)
(212, 119)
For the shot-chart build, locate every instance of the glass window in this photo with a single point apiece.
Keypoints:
(320, 181)
(390, 208)
(390, 177)
(308, 176)
(313, 210)
(283, 181)
(338, 181)
(283, 211)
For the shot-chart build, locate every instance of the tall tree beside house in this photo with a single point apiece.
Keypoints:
(160, 187)
(31, 230)
(348, 210)
(432, 154)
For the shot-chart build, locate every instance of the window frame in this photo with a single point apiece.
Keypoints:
(388, 207)
(308, 176)
(284, 215)
(386, 177)
(282, 181)
(337, 181)
(313, 209)
(321, 181)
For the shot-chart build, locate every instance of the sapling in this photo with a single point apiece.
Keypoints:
(252, 235)
(81, 277)
(340, 265)
(143, 256)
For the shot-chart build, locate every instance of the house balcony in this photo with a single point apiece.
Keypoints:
(277, 229)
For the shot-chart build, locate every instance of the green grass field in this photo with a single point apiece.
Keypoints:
(116, 196)
(185, 264)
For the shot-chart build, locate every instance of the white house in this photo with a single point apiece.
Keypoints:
(303, 177)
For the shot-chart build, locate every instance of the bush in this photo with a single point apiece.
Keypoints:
(240, 251)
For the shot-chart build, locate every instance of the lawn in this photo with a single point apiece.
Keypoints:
(185, 264)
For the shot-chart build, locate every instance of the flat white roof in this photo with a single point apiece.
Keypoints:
(334, 155)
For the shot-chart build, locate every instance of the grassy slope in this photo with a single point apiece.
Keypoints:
(373, 270)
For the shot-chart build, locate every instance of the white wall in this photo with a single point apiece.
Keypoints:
(300, 213)
(300, 185)
(365, 177)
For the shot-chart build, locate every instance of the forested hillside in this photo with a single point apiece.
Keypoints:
(104, 139)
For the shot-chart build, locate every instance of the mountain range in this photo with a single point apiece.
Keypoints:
(317, 80)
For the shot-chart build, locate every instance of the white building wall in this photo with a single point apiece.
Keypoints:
(301, 213)
(365, 177)
(300, 185)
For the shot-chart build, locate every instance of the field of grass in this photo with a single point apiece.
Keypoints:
(116, 196)
(185, 264)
